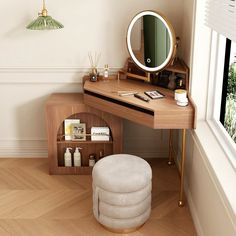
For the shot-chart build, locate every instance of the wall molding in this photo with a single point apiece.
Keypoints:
(38, 148)
(46, 75)
(54, 69)
(189, 198)
(43, 69)
(23, 148)
(148, 154)
(193, 211)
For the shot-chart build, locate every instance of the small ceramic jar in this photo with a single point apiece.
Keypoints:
(92, 159)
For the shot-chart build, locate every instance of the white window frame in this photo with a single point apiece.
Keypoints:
(218, 43)
(208, 134)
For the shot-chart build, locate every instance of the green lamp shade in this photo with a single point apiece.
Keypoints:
(44, 23)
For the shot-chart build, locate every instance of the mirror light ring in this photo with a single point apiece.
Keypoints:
(172, 41)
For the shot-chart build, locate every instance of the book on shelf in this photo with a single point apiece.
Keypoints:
(100, 134)
(68, 127)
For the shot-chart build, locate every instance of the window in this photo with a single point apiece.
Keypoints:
(219, 80)
(228, 101)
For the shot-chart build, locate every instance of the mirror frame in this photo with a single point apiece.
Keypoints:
(171, 55)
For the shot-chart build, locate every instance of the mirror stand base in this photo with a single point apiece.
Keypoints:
(146, 78)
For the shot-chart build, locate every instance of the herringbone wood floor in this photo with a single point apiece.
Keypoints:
(35, 203)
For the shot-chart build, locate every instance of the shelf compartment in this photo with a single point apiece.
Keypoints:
(71, 106)
(78, 170)
(84, 142)
(92, 147)
(61, 138)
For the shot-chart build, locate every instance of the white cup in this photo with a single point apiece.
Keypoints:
(181, 97)
(180, 94)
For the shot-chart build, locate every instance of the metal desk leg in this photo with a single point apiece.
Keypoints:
(181, 194)
(170, 161)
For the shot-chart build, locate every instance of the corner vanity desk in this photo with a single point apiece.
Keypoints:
(160, 113)
(102, 105)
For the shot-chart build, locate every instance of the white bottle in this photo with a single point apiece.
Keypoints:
(106, 73)
(67, 157)
(77, 157)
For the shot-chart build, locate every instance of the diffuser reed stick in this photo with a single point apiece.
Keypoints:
(94, 63)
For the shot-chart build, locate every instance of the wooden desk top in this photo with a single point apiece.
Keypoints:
(158, 114)
(65, 98)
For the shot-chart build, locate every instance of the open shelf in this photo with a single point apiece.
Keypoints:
(71, 106)
(83, 142)
(87, 149)
(179, 68)
(61, 139)
(82, 170)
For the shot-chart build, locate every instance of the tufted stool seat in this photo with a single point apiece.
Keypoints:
(122, 192)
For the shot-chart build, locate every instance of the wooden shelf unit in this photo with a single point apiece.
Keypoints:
(84, 142)
(71, 106)
(179, 68)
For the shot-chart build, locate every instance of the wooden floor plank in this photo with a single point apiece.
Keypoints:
(32, 202)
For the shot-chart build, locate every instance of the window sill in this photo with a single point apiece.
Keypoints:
(219, 166)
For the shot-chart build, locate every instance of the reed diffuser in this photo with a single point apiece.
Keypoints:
(94, 63)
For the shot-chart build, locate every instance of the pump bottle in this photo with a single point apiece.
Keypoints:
(67, 157)
(77, 157)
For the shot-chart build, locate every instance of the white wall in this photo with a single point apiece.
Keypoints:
(89, 25)
(211, 211)
(34, 64)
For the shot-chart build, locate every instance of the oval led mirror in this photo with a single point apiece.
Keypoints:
(151, 41)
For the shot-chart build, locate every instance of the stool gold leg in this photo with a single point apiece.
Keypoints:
(170, 161)
(181, 194)
(122, 231)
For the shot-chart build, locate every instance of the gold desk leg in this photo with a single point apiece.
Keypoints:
(181, 194)
(170, 161)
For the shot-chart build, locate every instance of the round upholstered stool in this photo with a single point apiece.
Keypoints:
(122, 192)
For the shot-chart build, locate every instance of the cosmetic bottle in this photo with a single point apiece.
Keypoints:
(92, 160)
(67, 157)
(179, 83)
(77, 157)
(106, 71)
(172, 84)
(101, 154)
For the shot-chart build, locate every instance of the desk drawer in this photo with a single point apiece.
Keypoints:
(132, 113)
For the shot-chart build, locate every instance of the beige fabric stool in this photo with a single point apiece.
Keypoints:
(122, 192)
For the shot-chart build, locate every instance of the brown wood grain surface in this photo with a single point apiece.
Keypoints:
(71, 105)
(34, 203)
(166, 113)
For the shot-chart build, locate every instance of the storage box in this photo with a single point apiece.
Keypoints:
(100, 134)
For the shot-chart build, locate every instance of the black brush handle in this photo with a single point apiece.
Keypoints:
(141, 98)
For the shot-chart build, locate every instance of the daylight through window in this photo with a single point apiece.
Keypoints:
(228, 103)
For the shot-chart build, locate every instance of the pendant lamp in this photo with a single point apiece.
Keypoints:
(44, 22)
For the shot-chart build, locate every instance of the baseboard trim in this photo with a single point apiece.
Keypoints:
(147, 155)
(193, 211)
(23, 149)
(189, 198)
(38, 148)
